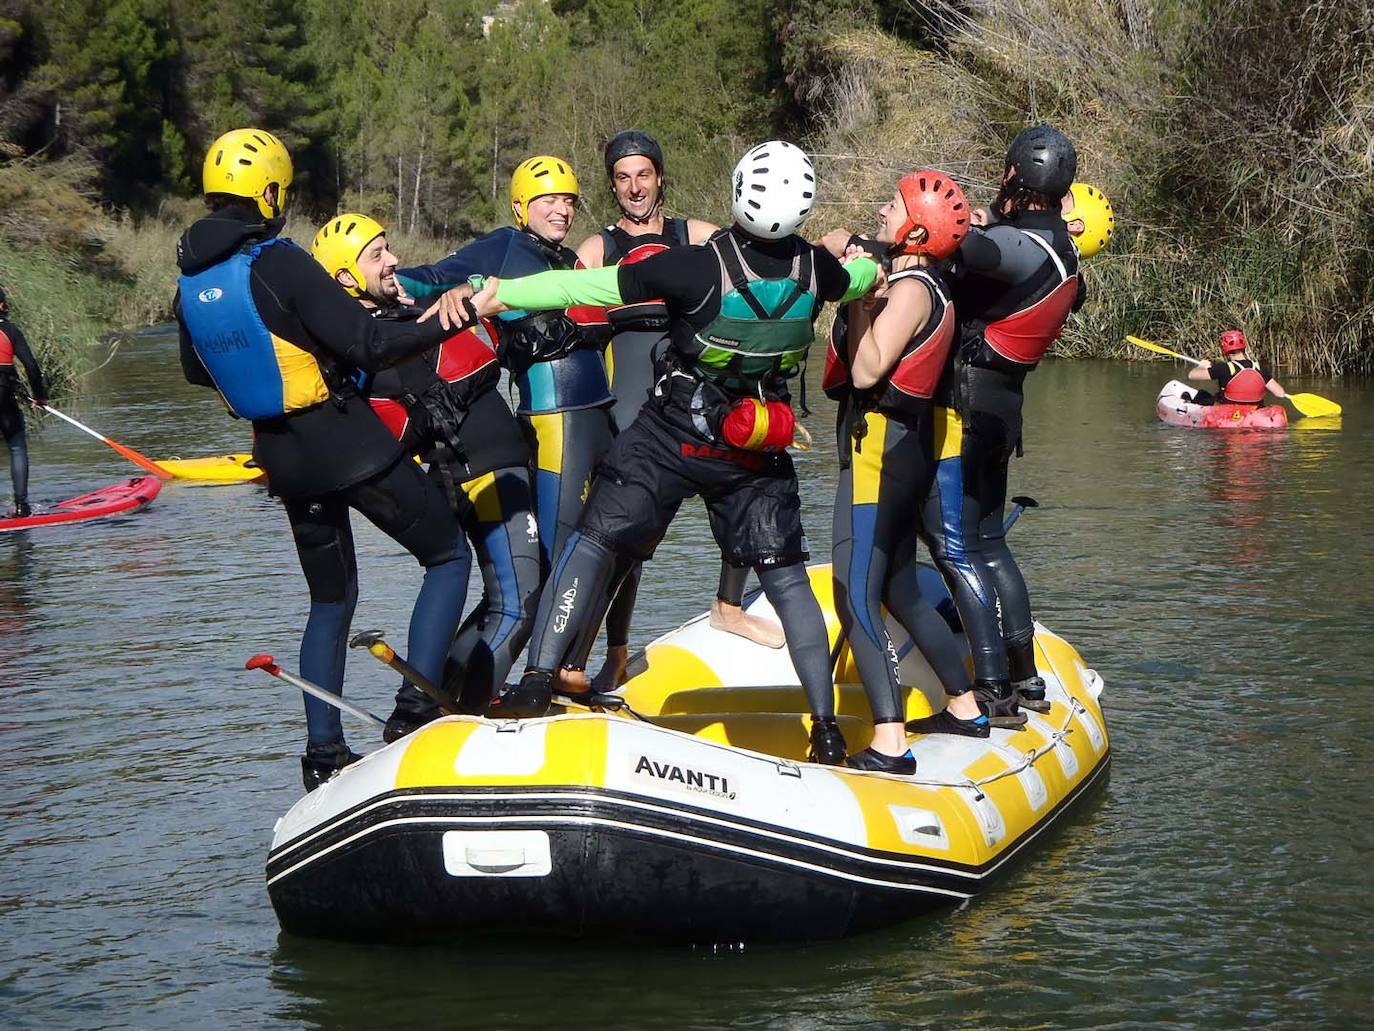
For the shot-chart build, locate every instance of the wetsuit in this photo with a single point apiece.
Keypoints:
(887, 469)
(1239, 382)
(446, 406)
(555, 361)
(246, 292)
(1014, 284)
(743, 313)
(14, 348)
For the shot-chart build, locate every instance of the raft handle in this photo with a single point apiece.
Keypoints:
(787, 768)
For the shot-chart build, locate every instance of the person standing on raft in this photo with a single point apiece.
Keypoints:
(1241, 380)
(263, 324)
(15, 348)
(1015, 281)
(743, 310)
(446, 405)
(639, 337)
(885, 360)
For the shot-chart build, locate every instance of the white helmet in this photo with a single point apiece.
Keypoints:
(775, 188)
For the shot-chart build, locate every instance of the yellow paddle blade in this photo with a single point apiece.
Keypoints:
(1150, 345)
(1314, 405)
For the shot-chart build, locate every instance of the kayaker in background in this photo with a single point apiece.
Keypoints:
(446, 406)
(639, 336)
(743, 310)
(14, 347)
(1241, 380)
(264, 325)
(885, 359)
(1015, 282)
(554, 357)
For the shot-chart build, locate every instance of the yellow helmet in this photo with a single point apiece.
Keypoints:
(538, 177)
(243, 163)
(340, 241)
(1092, 206)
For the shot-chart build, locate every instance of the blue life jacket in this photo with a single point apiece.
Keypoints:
(259, 375)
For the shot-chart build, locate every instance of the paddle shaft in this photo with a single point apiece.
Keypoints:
(385, 654)
(314, 690)
(142, 461)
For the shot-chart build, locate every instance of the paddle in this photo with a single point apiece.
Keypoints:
(266, 663)
(142, 461)
(1312, 405)
(385, 654)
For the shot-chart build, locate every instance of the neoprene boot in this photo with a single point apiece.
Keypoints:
(827, 742)
(413, 710)
(998, 702)
(876, 762)
(528, 699)
(21, 508)
(320, 762)
(945, 722)
(1030, 693)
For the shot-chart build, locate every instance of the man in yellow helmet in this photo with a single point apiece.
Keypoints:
(445, 404)
(264, 325)
(554, 357)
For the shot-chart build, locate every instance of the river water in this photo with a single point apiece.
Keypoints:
(1219, 583)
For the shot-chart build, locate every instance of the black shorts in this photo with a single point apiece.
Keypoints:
(751, 496)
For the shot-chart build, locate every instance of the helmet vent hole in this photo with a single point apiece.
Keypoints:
(807, 195)
(754, 204)
(775, 227)
(759, 188)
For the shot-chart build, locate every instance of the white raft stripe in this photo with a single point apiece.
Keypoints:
(1030, 835)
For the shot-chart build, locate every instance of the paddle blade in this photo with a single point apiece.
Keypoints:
(1150, 345)
(1314, 405)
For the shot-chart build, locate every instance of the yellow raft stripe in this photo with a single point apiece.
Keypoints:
(574, 752)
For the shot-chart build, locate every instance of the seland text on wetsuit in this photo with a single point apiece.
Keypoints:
(556, 364)
(15, 348)
(267, 327)
(446, 406)
(885, 436)
(743, 313)
(1014, 284)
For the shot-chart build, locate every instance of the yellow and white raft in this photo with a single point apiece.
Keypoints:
(698, 822)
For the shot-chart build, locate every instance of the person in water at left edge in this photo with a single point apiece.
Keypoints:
(15, 348)
(263, 324)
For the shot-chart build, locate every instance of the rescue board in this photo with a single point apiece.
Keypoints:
(116, 499)
(220, 469)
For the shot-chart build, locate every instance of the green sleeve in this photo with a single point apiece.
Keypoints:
(561, 288)
(862, 274)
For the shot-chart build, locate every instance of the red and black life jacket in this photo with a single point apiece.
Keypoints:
(912, 381)
(622, 248)
(1245, 386)
(1025, 335)
(6, 350)
(464, 365)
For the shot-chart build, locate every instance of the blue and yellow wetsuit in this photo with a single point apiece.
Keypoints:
(556, 365)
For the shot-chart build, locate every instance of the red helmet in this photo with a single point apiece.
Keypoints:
(933, 201)
(1231, 341)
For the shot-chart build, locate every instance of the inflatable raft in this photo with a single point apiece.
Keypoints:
(694, 820)
(1175, 406)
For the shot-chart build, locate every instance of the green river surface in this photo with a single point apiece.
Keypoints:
(1220, 583)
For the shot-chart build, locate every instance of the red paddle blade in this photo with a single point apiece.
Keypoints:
(263, 661)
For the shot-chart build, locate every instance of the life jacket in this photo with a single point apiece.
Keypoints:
(6, 350)
(1246, 383)
(913, 379)
(621, 248)
(259, 375)
(460, 368)
(764, 328)
(1024, 336)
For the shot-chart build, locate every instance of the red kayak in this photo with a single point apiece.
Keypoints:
(129, 496)
(1175, 406)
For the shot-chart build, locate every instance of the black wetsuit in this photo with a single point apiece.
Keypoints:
(1014, 283)
(672, 452)
(324, 459)
(457, 421)
(15, 348)
(887, 470)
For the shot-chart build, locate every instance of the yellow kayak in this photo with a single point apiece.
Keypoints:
(218, 469)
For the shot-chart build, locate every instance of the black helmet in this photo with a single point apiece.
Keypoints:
(632, 143)
(1045, 161)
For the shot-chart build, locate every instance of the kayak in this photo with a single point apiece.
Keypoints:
(219, 469)
(1175, 407)
(694, 820)
(128, 496)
